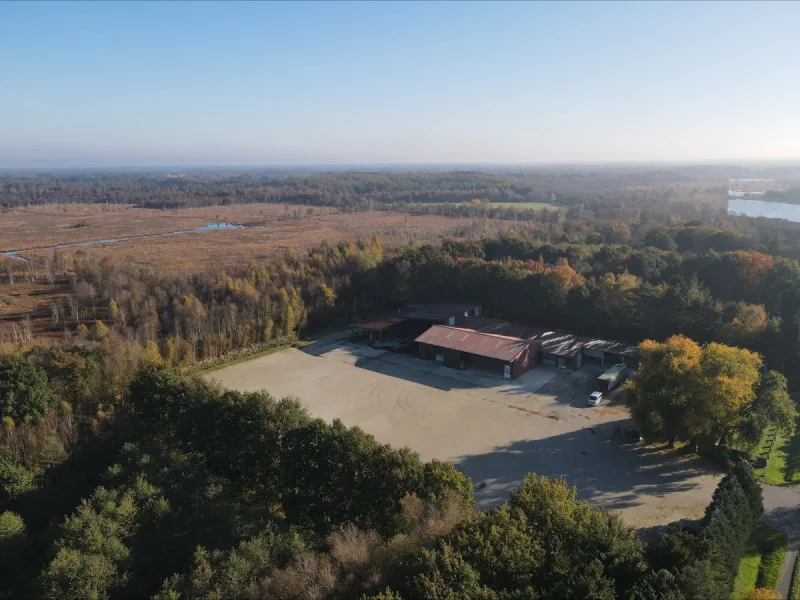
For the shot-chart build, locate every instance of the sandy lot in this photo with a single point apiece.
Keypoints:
(495, 431)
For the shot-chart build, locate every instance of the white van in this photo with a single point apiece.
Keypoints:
(595, 398)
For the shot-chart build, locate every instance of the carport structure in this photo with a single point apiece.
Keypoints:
(461, 348)
(413, 319)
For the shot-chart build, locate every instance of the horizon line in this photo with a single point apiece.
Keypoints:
(401, 165)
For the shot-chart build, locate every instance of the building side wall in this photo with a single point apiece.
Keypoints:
(426, 351)
(524, 361)
(484, 363)
(452, 358)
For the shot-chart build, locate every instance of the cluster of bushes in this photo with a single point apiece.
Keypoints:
(794, 592)
(193, 466)
(703, 563)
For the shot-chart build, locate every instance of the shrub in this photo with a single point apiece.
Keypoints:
(763, 594)
(15, 480)
(11, 525)
(769, 572)
(12, 538)
(794, 591)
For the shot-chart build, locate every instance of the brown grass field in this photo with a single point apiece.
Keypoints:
(275, 228)
(50, 225)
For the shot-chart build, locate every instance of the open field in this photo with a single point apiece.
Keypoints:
(494, 430)
(49, 225)
(275, 226)
(524, 205)
(201, 251)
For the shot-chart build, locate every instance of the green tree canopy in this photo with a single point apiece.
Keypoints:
(24, 391)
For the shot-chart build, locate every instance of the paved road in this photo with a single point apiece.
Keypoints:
(782, 509)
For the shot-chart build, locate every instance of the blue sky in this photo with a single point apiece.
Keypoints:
(116, 84)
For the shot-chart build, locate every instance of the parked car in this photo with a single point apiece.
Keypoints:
(633, 435)
(595, 398)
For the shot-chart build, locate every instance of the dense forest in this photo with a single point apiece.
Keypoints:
(122, 476)
(195, 492)
(362, 188)
(710, 284)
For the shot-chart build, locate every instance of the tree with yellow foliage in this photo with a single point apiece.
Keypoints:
(686, 391)
(151, 358)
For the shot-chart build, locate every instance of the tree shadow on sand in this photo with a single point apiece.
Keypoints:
(606, 470)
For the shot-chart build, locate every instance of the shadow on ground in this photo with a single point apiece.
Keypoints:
(782, 509)
(420, 376)
(606, 470)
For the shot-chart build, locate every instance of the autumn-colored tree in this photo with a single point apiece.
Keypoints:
(113, 311)
(750, 321)
(99, 331)
(617, 292)
(560, 280)
(151, 358)
(328, 295)
(683, 390)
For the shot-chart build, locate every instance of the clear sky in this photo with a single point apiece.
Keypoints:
(116, 84)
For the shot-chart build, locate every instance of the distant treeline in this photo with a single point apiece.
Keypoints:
(358, 190)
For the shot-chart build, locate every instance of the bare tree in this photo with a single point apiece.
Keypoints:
(75, 309)
(48, 271)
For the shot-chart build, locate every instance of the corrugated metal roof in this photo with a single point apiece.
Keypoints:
(560, 343)
(377, 325)
(436, 312)
(474, 342)
(440, 313)
(612, 347)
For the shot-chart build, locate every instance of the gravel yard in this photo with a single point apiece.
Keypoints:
(494, 430)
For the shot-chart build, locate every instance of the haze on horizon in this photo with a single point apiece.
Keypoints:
(196, 84)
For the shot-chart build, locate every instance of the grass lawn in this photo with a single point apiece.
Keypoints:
(760, 565)
(783, 467)
(525, 205)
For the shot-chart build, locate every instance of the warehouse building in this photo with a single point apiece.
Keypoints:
(413, 319)
(460, 348)
(557, 348)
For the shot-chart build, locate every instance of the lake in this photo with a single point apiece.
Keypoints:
(764, 208)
